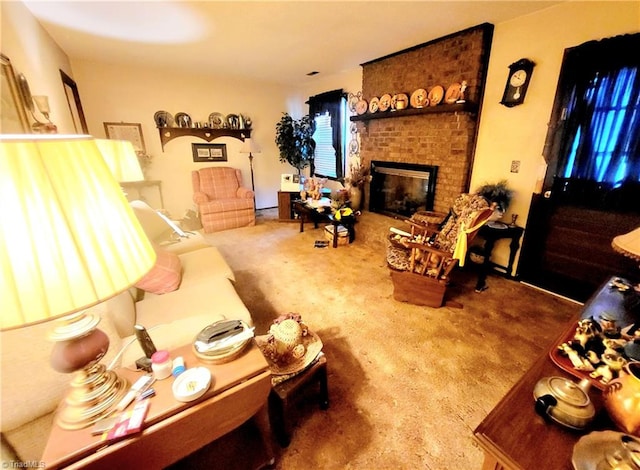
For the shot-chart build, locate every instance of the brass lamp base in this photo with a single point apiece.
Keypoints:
(94, 393)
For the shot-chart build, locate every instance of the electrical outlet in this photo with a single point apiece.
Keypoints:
(515, 166)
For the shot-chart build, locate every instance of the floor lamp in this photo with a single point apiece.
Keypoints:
(249, 146)
(72, 243)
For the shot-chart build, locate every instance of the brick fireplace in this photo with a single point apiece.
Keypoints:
(445, 136)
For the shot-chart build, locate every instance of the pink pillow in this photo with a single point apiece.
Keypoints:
(165, 276)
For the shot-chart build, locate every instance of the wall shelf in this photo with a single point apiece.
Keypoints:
(169, 133)
(442, 108)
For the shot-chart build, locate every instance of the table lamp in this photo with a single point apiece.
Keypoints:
(249, 146)
(70, 241)
(121, 159)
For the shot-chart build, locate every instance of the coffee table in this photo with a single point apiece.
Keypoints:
(172, 429)
(308, 213)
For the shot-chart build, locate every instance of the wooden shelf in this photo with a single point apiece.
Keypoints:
(169, 133)
(442, 108)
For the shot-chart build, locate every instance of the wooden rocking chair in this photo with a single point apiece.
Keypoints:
(428, 257)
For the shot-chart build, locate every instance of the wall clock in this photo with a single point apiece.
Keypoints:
(517, 82)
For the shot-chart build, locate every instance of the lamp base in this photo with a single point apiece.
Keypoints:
(95, 391)
(94, 394)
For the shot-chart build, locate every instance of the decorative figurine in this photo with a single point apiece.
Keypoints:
(463, 87)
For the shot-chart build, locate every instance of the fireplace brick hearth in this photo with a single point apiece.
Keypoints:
(444, 139)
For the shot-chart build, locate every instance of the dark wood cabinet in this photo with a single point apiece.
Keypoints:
(285, 205)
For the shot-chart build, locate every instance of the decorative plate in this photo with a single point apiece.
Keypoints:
(353, 100)
(419, 98)
(163, 119)
(453, 93)
(374, 105)
(183, 120)
(217, 120)
(361, 107)
(354, 147)
(233, 121)
(435, 95)
(590, 449)
(385, 102)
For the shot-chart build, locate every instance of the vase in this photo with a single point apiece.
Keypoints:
(355, 196)
(622, 399)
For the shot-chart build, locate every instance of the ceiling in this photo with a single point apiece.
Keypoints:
(268, 41)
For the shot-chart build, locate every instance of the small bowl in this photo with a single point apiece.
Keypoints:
(191, 384)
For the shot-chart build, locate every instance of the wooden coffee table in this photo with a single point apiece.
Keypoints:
(307, 213)
(172, 429)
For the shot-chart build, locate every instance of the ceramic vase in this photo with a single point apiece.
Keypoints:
(355, 196)
(622, 399)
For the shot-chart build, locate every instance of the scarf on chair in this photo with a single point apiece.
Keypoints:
(460, 251)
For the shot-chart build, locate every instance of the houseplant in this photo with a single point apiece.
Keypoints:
(498, 193)
(295, 142)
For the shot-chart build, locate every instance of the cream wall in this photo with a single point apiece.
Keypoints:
(518, 133)
(134, 94)
(33, 53)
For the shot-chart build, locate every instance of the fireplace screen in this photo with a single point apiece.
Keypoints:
(401, 189)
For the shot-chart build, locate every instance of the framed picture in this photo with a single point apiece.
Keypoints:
(209, 152)
(126, 131)
(14, 116)
(75, 105)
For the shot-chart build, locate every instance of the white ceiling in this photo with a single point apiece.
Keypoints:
(271, 41)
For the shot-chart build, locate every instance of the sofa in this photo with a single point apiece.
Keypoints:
(190, 287)
(223, 202)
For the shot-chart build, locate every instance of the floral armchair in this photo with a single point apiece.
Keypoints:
(421, 261)
(223, 203)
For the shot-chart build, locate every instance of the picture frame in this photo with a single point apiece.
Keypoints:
(209, 152)
(130, 131)
(14, 115)
(75, 105)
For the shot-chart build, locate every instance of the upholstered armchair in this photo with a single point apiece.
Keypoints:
(223, 203)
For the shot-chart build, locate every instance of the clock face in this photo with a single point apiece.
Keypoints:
(518, 78)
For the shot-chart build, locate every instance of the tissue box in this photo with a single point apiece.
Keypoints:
(343, 235)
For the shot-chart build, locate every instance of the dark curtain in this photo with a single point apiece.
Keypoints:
(598, 76)
(330, 102)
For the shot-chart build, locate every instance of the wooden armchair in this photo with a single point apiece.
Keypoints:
(223, 202)
(422, 264)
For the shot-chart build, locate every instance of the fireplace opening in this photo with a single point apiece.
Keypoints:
(401, 189)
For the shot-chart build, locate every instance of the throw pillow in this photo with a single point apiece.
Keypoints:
(165, 276)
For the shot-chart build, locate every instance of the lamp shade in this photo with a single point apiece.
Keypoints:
(121, 159)
(628, 244)
(249, 146)
(69, 238)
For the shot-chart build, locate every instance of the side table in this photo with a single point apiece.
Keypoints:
(283, 394)
(172, 429)
(491, 235)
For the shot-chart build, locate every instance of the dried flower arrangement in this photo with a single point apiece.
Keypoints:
(358, 174)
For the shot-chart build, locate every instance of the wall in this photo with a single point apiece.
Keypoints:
(33, 53)
(134, 94)
(518, 133)
(444, 139)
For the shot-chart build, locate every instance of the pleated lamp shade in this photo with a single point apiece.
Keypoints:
(628, 244)
(121, 159)
(69, 239)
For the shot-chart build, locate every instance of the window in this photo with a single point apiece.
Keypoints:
(597, 139)
(329, 111)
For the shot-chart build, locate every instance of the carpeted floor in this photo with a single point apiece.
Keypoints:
(407, 384)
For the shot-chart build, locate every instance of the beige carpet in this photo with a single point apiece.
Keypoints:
(407, 384)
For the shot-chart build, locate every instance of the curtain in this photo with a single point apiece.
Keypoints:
(595, 132)
(331, 102)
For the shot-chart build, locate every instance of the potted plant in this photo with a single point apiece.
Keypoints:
(497, 192)
(295, 142)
